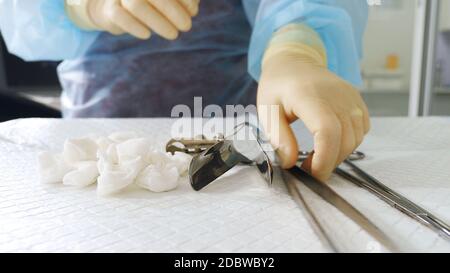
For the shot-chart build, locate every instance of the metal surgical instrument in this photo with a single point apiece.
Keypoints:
(218, 155)
(296, 175)
(388, 195)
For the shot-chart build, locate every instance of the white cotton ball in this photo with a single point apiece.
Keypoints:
(114, 162)
(123, 136)
(111, 182)
(103, 144)
(155, 156)
(80, 149)
(158, 178)
(85, 174)
(103, 163)
(132, 148)
(181, 161)
(52, 167)
(116, 177)
(111, 154)
(107, 157)
(133, 166)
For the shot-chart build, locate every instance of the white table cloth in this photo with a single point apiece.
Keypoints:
(239, 213)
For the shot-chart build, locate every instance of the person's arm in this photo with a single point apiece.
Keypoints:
(41, 30)
(65, 29)
(305, 54)
(339, 23)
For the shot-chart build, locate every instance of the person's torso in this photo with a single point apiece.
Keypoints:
(121, 76)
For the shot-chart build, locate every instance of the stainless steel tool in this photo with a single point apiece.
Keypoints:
(297, 175)
(396, 200)
(191, 146)
(224, 154)
(393, 198)
(215, 157)
(315, 222)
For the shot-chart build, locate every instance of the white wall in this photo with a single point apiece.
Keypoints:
(390, 31)
(445, 15)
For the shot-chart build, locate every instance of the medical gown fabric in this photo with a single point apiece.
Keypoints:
(120, 76)
(239, 213)
(340, 24)
(40, 30)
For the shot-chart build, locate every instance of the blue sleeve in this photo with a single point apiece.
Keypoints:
(340, 24)
(41, 30)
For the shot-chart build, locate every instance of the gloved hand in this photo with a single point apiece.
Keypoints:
(136, 17)
(295, 78)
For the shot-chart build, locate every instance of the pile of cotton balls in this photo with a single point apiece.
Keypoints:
(114, 162)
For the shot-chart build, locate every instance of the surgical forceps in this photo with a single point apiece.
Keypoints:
(363, 180)
(388, 195)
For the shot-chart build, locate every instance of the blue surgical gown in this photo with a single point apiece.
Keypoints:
(219, 59)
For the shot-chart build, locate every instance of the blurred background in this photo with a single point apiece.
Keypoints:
(406, 66)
